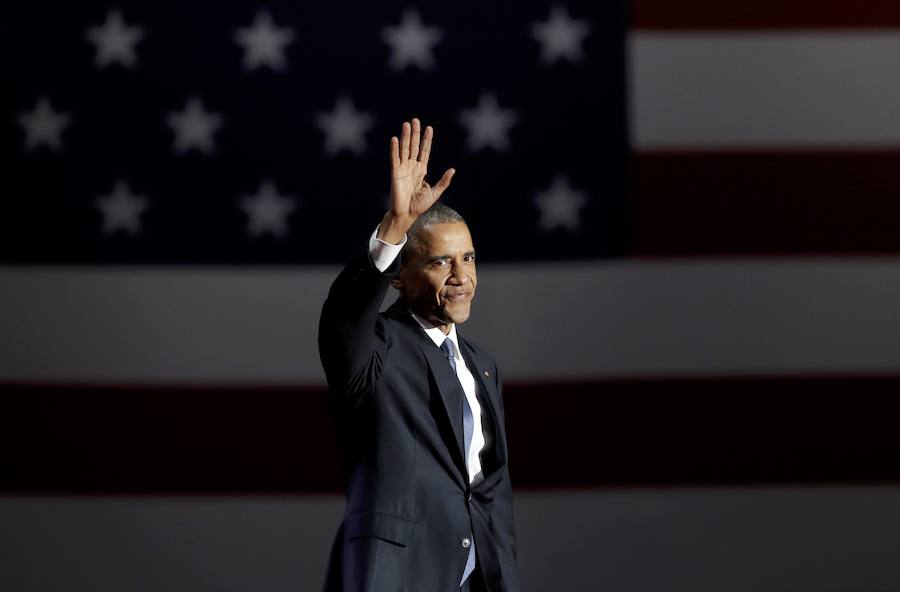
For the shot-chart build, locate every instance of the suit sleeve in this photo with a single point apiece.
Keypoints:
(504, 523)
(353, 342)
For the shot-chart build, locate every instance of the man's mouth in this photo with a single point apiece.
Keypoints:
(457, 296)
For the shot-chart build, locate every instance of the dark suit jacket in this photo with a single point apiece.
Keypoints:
(409, 504)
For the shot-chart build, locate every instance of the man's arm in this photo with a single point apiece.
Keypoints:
(352, 344)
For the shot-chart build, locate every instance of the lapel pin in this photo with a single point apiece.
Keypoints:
(486, 373)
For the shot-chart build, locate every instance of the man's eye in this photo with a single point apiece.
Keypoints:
(441, 263)
(469, 258)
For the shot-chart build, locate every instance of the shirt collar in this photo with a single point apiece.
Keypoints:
(436, 335)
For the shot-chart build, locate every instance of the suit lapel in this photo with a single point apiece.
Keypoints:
(451, 392)
(445, 380)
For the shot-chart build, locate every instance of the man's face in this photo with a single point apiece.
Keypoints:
(437, 281)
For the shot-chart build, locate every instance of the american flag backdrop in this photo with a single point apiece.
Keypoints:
(687, 216)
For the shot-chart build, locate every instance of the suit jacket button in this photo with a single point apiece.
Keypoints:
(466, 543)
(468, 496)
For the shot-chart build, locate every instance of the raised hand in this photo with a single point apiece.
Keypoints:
(411, 194)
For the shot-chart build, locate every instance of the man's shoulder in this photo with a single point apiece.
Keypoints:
(397, 313)
(479, 351)
(397, 322)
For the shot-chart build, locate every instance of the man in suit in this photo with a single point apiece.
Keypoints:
(419, 409)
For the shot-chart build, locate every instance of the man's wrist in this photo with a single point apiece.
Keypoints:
(393, 228)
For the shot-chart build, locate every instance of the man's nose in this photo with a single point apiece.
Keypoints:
(458, 275)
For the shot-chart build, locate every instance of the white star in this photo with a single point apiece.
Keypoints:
(43, 126)
(411, 42)
(121, 210)
(344, 127)
(264, 43)
(268, 211)
(560, 205)
(560, 36)
(488, 125)
(194, 127)
(115, 41)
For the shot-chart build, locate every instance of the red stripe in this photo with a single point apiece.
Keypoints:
(632, 432)
(764, 14)
(732, 203)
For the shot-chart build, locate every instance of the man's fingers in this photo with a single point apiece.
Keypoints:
(414, 144)
(425, 150)
(404, 141)
(442, 185)
(395, 152)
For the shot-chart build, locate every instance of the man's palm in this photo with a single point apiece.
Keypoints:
(410, 191)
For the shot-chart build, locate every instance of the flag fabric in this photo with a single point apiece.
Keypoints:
(698, 199)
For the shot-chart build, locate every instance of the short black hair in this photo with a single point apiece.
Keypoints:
(438, 213)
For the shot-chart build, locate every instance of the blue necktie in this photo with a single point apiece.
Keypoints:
(468, 426)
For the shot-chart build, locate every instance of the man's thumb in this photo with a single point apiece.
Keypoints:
(445, 181)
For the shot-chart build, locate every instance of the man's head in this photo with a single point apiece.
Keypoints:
(437, 277)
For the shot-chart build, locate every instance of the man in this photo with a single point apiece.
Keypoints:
(419, 409)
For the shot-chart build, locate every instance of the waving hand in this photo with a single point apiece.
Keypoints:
(411, 194)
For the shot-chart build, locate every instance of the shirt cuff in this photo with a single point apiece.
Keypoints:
(382, 253)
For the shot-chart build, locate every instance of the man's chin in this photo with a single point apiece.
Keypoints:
(456, 315)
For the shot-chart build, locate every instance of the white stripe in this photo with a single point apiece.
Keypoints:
(764, 89)
(706, 540)
(595, 320)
